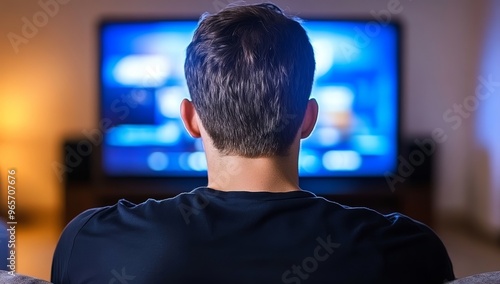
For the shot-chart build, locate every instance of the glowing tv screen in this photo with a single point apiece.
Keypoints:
(142, 84)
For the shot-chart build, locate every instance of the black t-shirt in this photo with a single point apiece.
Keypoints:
(210, 236)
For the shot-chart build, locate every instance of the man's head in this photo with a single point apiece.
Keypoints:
(249, 71)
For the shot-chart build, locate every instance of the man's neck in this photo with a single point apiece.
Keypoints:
(267, 174)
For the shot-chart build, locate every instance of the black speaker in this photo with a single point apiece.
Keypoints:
(417, 158)
(77, 163)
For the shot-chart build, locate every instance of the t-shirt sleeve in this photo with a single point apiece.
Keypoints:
(419, 253)
(443, 266)
(62, 253)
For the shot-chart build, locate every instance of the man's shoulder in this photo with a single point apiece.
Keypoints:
(125, 212)
(387, 231)
(413, 248)
(403, 247)
(370, 218)
(102, 228)
(122, 211)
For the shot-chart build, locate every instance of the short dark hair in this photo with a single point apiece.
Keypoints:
(249, 70)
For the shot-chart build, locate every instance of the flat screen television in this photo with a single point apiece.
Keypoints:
(357, 86)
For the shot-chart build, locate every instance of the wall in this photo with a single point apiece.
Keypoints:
(48, 88)
(485, 194)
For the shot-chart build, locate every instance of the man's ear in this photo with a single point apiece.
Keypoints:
(310, 117)
(190, 118)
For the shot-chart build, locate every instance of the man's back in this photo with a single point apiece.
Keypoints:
(210, 236)
(247, 69)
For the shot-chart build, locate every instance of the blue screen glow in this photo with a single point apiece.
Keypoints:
(142, 85)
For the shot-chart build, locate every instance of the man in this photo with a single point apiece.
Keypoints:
(247, 68)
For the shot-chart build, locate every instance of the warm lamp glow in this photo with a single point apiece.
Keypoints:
(15, 114)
